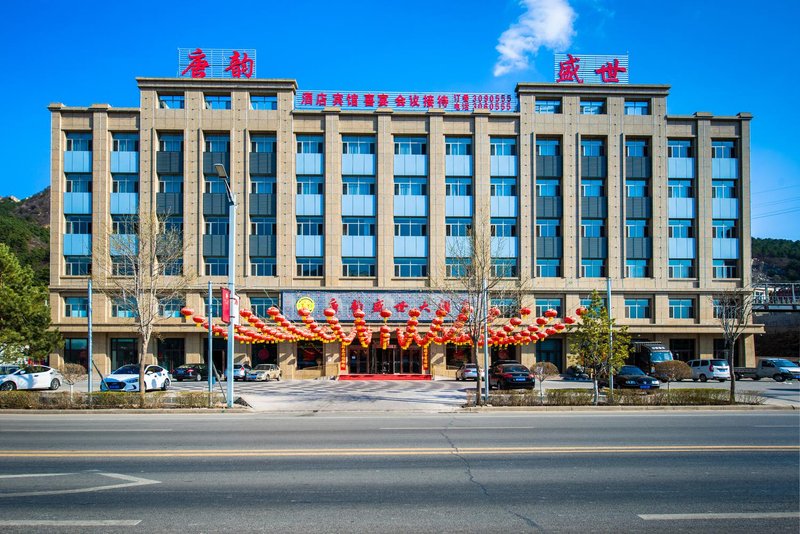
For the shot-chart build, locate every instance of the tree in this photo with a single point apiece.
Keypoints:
(72, 372)
(24, 313)
(673, 370)
(542, 371)
(144, 271)
(591, 342)
(733, 309)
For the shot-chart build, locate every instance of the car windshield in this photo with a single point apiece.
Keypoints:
(127, 370)
(514, 369)
(262, 367)
(719, 363)
(630, 370)
(470, 366)
(662, 356)
(189, 367)
(783, 363)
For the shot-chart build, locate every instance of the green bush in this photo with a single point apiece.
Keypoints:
(104, 400)
(683, 397)
(570, 397)
(673, 370)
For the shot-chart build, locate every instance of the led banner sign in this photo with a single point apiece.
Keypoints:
(405, 101)
(216, 63)
(580, 68)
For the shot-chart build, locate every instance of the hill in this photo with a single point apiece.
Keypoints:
(24, 227)
(776, 259)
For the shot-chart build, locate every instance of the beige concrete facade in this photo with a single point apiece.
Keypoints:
(569, 126)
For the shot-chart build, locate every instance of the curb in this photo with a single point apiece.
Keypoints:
(721, 408)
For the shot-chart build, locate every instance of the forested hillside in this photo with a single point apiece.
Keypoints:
(777, 259)
(24, 228)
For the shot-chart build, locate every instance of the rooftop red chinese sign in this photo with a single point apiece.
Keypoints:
(216, 63)
(405, 101)
(578, 68)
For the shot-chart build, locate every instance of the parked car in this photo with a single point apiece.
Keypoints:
(30, 377)
(8, 368)
(240, 370)
(126, 378)
(778, 369)
(511, 375)
(264, 371)
(191, 371)
(707, 368)
(468, 371)
(630, 376)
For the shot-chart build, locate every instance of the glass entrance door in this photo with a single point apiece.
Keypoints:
(358, 360)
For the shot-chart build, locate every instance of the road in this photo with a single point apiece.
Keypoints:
(516, 472)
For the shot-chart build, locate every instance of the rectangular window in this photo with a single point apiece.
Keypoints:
(260, 305)
(637, 188)
(502, 146)
(216, 266)
(723, 189)
(548, 268)
(681, 228)
(171, 224)
(170, 308)
(170, 101)
(724, 229)
(215, 310)
(723, 149)
(124, 183)
(264, 102)
(548, 187)
(593, 107)
(637, 107)
(310, 226)
(170, 142)
(410, 226)
(458, 187)
(262, 266)
(358, 226)
(124, 224)
(352, 144)
(358, 185)
(122, 266)
(637, 148)
(171, 267)
(410, 146)
(593, 147)
(503, 227)
(458, 146)
(548, 147)
(410, 267)
(124, 142)
(636, 228)
(593, 228)
(78, 142)
(310, 144)
(123, 307)
(310, 266)
(78, 183)
(592, 188)
(216, 226)
(637, 268)
(170, 183)
(310, 185)
(457, 226)
(262, 226)
(544, 304)
(680, 148)
(262, 185)
(548, 227)
(503, 187)
(593, 268)
(681, 309)
(725, 269)
(405, 186)
(586, 302)
(217, 101)
(637, 308)
(78, 224)
(78, 265)
(76, 307)
(504, 267)
(217, 143)
(457, 267)
(358, 267)
(262, 144)
(547, 106)
(681, 269)
(508, 306)
(681, 188)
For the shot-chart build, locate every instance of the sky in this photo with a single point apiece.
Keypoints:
(720, 56)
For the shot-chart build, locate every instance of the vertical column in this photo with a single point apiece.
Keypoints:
(193, 184)
(332, 201)
(286, 188)
(482, 181)
(704, 260)
(745, 230)
(57, 186)
(436, 196)
(659, 195)
(526, 255)
(615, 191)
(101, 193)
(384, 189)
(571, 209)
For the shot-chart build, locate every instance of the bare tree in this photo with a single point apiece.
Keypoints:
(733, 308)
(145, 271)
(72, 372)
(542, 371)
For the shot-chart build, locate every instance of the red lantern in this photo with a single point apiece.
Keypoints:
(199, 320)
(551, 313)
(245, 313)
(386, 314)
(580, 311)
(541, 321)
(516, 321)
(329, 312)
(186, 312)
(569, 320)
(551, 331)
(524, 311)
(359, 314)
(413, 312)
(273, 311)
(462, 318)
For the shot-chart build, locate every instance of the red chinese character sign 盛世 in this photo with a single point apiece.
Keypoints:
(216, 62)
(589, 69)
(568, 70)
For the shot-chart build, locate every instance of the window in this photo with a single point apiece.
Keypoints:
(217, 101)
(408, 146)
(458, 146)
(122, 266)
(408, 226)
(636, 228)
(310, 267)
(309, 354)
(311, 226)
(725, 269)
(457, 226)
(358, 226)
(502, 146)
(168, 142)
(260, 305)
(76, 307)
(593, 148)
(681, 228)
(548, 268)
(124, 224)
(682, 349)
(75, 350)
(262, 266)
(410, 186)
(78, 224)
(637, 308)
(78, 265)
(410, 267)
(358, 185)
(457, 267)
(216, 307)
(170, 308)
(216, 266)
(723, 149)
(681, 269)
(260, 102)
(170, 183)
(309, 144)
(262, 226)
(124, 183)
(171, 224)
(724, 229)
(78, 183)
(310, 185)
(171, 267)
(680, 148)
(544, 105)
(548, 188)
(723, 189)
(217, 143)
(167, 101)
(592, 188)
(681, 309)
(636, 188)
(503, 187)
(124, 142)
(262, 185)
(544, 304)
(681, 188)
(262, 144)
(504, 267)
(216, 226)
(593, 228)
(503, 227)
(78, 142)
(123, 307)
(637, 268)
(548, 147)
(593, 107)
(637, 107)
(636, 148)
(358, 267)
(593, 268)
(548, 227)
(508, 306)
(358, 145)
(586, 302)
(458, 187)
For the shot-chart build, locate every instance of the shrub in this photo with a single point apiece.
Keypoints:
(673, 370)
(570, 397)
(72, 372)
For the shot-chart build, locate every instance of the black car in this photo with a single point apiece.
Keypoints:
(191, 371)
(630, 376)
(511, 375)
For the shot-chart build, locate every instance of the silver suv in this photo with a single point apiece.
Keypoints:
(709, 369)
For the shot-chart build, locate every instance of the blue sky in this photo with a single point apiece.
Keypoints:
(718, 56)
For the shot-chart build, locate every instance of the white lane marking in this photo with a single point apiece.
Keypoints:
(103, 430)
(439, 429)
(751, 515)
(71, 523)
(132, 482)
(38, 475)
(775, 426)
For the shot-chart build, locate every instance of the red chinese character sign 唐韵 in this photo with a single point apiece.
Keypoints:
(217, 63)
(586, 69)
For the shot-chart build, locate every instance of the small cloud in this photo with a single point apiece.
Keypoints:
(545, 23)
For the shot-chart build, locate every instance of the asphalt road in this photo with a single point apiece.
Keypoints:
(548, 472)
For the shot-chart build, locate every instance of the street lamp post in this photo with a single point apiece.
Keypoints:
(220, 168)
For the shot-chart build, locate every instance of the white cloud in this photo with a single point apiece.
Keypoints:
(545, 23)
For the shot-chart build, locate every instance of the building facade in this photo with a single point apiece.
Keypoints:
(577, 184)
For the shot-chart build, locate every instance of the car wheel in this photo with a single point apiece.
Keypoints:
(703, 378)
(779, 378)
(720, 380)
(199, 377)
(278, 378)
(737, 376)
(694, 380)
(165, 385)
(756, 378)
(8, 386)
(54, 384)
(179, 379)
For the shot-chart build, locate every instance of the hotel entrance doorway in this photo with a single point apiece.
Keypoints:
(377, 361)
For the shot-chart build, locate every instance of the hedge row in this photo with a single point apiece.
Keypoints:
(34, 400)
(622, 397)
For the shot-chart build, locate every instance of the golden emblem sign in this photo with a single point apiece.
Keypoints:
(305, 302)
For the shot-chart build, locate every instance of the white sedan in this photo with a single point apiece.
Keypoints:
(126, 378)
(31, 377)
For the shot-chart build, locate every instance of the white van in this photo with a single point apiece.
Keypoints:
(706, 369)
